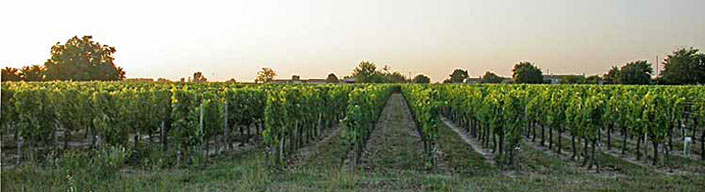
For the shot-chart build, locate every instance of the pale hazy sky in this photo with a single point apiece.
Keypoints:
(234, 39)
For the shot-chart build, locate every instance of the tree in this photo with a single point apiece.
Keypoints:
(366, 72)
(395, 77)
(10, 74)
(684, 66)
(594, 79)
(573, 79)
(637, 72)
(265, 76)
(490, 77)
(82, 59)
(198, 78)
(33, 73)
(526, 72)
(232, 80)
(458, 76)
(420, 78)
(332, 78)
(611, 76)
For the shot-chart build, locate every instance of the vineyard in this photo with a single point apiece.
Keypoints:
(324, 132)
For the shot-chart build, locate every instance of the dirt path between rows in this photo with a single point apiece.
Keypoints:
(474, 144)
(394, 144)
(629, 158)
(305, 153)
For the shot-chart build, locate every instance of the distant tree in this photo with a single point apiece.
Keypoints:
(611, 76)
(593, 79)
(332, 78)
(490, 77)
(386, 69)
(82, 59)
(447, 81)
(395, 77)
(10, 74)
(366, 72)
(421, 78)
(458, 76)
(526, 72)
(637, 72)
(33, 73)
(684, 66)
(163, 80)
(572, 79)
(198, 78)
(265, 76)
(232, 80)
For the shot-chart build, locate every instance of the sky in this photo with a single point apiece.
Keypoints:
(235, 39)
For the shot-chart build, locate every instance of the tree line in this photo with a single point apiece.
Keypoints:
(79, 59)
(82, 59)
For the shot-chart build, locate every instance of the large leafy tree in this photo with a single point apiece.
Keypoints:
(82, 59)
(490, 77)
(10, 74)
(33, 73)
(366, 72)
(421, 78)
(199, 78)
(526, 72)
(684, 66)
(265, 76)
(635, 73)
(611, 76)
(458, 76)
(332, 78)
(394, 77)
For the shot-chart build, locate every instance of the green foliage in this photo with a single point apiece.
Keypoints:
(265, 76)
(420, 78)
(573, 79)
(490, 77)
(366, 72)
(293, 115)
(526, 72)
(426, 112)
(198, 78)
(635, 73)
(82, 59)
(10, 74)
(458, 76)
(33, 73)
(363, 109)
(684, 66)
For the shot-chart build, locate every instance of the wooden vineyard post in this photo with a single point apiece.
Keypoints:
(225, 127)
(202, 135)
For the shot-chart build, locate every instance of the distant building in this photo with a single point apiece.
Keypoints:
(139, 80)
(314, 81)
(349, 80)
(556, 79)
(471, 80)
(295, 79)
(506, 80)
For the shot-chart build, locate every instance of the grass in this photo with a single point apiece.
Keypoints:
(459, 156)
